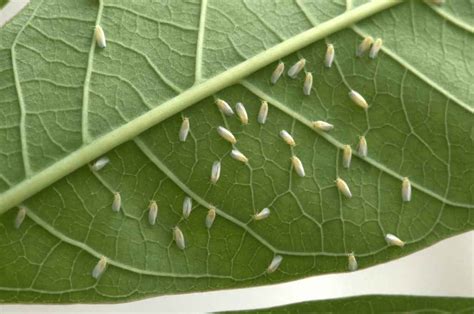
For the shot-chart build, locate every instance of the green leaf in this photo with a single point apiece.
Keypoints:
(66, 102)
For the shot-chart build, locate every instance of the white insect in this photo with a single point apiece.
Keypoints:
(187, 207)
(298, 166)
(227, 135)
(179, 238)
(263, 113)
(215, 172)
(237, 155)
(308, 84)
(346, 156)
(363, 146)
(152, 212)
(364, 46)
(100, 163)
(352, 262)
(224, 107)
(330, 53)
(343, 187)
(277, 72)
(358, 99)
(406, 190)
(184, 130)
(99, 267)
(394, 240)
(242, 113)
(117, 203)
(274, 264)
(20, 216)
(287, 138)
(374, 51)
(296, 68)
(322, 125)
(264, 213)
(100, 37)
(211, 216)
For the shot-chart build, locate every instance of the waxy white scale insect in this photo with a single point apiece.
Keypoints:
(374, 51)
(394, 240)
(277, 72)
(179, 238)
(298, 166)
(211, 216)
(117, 203)
(227, 135)
(287, 138)
(343, 187)
(184, 130)
(274, 264)
(263, 112)
(20, 216)
(296, 68)
(100, 36)
(362, 146)
(242, 113)
(330, 53)
(224, 107)
(237, 155)
(346, 156)
(308, 84)
(364, 46)
(99, 267)
(152, 212)
(264, 213)
(406, 190)
(215, 172)
(322, 125)
(100, 163)
(187, 207)
(352, 262)
(358, 99)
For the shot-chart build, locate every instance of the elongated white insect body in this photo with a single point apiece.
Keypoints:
(362, 146)
(322, 125)
(152, 212)
(179, 238)
(296, 68)
(237, 155)
(308, 84)
(358, 99)
(226, 134)
(394, 240)
(100, 163)
(215, 172)
(374, 51)
(330, 53)
(224, 107)
(364, 46)
(351, 262)
(346, 156)
(242, 113)
(99, 267)
(274, 264)
(187, 207)
(343, 187)
(298, 166)
(20, 216)
(263, 112)
(211, 216)
(287, 138)
(264, 213)
(100, 37)
(184, 130)
(277, 72)
(406, 190)
(117, 203)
